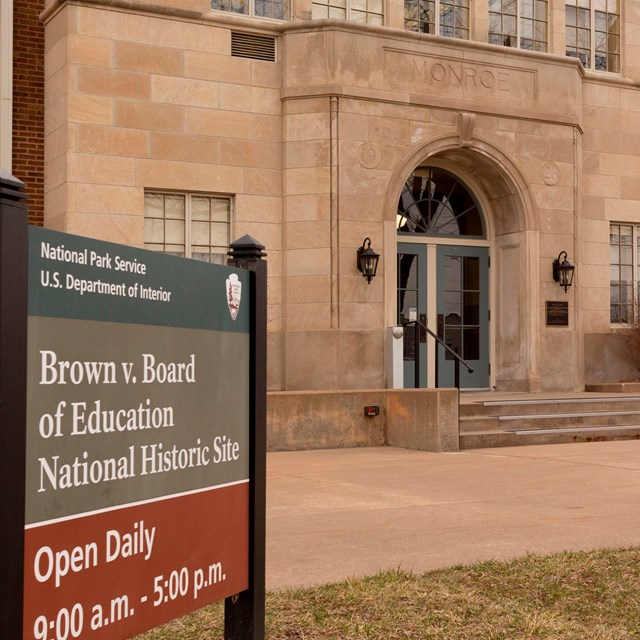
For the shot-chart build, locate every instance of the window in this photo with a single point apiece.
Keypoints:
(623, 280)
(363, 11)
(277, 9)
(191, 225)
(448, 18)
(593, 33)
(434, 203)
(518, 23)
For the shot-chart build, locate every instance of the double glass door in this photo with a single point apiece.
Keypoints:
(445, 288)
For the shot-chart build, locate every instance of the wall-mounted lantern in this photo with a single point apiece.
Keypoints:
(367, 260)
(563, 271)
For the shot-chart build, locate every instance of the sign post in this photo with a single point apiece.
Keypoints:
(245, 613)
(136, 449)
(13, 389)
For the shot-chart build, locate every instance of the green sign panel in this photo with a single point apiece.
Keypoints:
(137, 465)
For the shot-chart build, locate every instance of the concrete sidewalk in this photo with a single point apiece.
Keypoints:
(334, 514)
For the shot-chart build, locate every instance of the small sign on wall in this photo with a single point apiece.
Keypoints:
(557, 313)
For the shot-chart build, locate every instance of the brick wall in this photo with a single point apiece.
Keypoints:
(28, 103)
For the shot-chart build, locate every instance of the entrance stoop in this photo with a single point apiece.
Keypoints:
(512, 419)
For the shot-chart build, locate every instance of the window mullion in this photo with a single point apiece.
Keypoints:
(592, 35)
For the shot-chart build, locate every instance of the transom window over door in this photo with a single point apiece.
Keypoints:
(449, 18)
(518, 23)
(435, 203)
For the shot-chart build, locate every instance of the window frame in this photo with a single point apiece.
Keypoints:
(439, 26)
(235, 7)
(188, 220)
(350, 10)
(520, 6)
(635, 273)
(612, 59)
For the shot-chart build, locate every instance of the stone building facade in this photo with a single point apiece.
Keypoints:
(472, 143)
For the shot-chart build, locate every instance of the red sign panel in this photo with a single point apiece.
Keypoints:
(118, 573)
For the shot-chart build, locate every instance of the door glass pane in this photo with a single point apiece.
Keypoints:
(471, 344)
(408, 306)
(452, 273)
(452, 307)
(407, 271)
(471, 274)
(471, 308)
(453, 339)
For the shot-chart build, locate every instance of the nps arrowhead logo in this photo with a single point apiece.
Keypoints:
(234, 293)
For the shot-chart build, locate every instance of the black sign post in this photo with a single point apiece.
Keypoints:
(245, 612)
(13, 389)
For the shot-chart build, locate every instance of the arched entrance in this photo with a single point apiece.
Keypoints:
(442, 279)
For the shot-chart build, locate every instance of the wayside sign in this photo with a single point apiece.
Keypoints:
(137, 437)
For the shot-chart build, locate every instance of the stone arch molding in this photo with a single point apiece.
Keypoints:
(486, 169)
(512, 226)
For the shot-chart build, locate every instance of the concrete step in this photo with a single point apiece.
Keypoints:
(522, 437)
(548, 405)
(543, 420)
(548, 420)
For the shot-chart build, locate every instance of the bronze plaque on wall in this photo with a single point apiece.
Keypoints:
(557, 313)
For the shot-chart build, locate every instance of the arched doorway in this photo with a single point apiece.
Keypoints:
(442, 279)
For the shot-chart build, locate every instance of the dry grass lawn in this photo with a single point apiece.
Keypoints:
(568, 596)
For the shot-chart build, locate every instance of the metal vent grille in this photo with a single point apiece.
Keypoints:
(250, 45)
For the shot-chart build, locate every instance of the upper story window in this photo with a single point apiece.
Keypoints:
(593, 33)
(518, 23)
(190, 225)
(277, 9)
(448, 18)
(362, 11)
